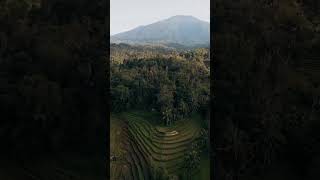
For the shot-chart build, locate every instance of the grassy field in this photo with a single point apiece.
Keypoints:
(139, 141)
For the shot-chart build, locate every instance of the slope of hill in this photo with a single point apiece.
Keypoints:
(184, 30)
(141, 148)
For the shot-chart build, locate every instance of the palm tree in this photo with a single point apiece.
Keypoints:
(167, 116)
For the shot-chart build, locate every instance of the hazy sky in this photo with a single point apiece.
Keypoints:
(128, 14)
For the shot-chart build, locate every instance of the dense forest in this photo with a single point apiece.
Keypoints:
(53, 75)
(266, 89)
(171, 82)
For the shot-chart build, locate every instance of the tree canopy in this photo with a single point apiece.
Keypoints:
(175, 83)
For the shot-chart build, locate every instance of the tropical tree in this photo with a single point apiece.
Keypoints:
(122, 94)
(192, 160)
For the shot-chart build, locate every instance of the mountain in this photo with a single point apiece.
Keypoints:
(184, 30)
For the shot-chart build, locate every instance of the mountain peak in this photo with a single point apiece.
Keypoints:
(182, 17)
(179, 29)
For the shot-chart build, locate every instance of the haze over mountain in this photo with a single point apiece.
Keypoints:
(183, 30)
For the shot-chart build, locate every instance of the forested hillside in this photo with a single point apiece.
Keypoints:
(266, 87)
(169, 81)
(52, 75)
(160, 112)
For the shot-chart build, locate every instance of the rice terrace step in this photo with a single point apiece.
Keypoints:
(150, 145)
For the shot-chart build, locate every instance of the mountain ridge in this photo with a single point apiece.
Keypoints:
(180, 29)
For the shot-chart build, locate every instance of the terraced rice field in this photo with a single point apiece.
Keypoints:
(138, 143)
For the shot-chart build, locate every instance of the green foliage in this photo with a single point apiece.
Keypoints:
(265, 83)
(159, 173)
(52, 75)
(169, 83)
(192, 160)
(121, 102)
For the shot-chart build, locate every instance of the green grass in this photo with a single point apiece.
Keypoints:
(141, 138)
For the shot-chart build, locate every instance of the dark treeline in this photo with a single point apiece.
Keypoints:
(52, 75)
(266, 86)
(174, 83)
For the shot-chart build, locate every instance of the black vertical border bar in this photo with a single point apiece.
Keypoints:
(108, 87)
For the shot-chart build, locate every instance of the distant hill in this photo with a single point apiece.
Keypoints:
(177, 30)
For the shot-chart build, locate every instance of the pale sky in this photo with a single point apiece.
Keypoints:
(128, 14)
